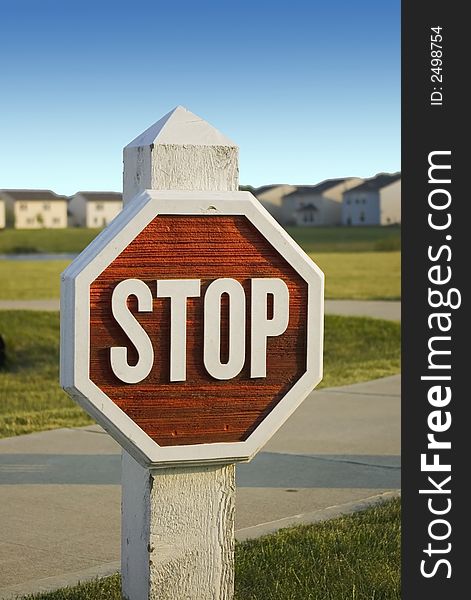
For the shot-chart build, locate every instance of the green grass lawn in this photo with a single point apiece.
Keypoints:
(362, 275)
(359, 349)
(70, 241)
(347, 239)
(30, 279)
(31, 399)
(312, 239)
(356, 349)
(356, 557)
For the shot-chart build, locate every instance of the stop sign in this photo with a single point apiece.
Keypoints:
(191, 327)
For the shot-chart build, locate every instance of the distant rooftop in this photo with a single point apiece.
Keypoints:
(377, 182)
(318, 188)
(39, 195)
(304, 189)
(327, 184)
(265, 188)
(102, 196)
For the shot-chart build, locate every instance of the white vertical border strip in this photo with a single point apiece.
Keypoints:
(75, 322)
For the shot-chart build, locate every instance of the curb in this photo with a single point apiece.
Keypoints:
(50, 584)
(317, 516)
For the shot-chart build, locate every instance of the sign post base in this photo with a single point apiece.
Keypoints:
(177, 532)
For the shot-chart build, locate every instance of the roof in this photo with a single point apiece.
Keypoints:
(270, 186)
(39, 195)
(327, 184)
(319, 188)
(377, 182)
(102, 196)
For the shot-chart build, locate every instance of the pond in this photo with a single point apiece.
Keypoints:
(37, 256)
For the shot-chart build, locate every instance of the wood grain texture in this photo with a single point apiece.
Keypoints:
(192, 533)
(171, 167)
(137, 171)
(201, 409)
(179, 167)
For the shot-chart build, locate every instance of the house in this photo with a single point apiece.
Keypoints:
(2, 214)
(271, 197)
(94, 209)
(321, 204)
(307, 205)
(35, 209)
(376, 201)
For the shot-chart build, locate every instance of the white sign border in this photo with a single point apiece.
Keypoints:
(75, 323)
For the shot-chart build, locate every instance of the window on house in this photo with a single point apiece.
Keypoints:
(47, 206)
(23, 206)
(56, 220)
(357, 201)
(100, 206)
(362, 217)
(30, 220)
(348, 201)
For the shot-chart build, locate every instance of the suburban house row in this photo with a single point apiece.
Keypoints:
(35, 209)
(346, 201)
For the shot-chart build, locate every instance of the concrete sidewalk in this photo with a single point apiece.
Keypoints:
(60, 490)
(380, 309)
(52, 304)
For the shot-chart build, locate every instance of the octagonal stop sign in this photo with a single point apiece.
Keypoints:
(191, 327)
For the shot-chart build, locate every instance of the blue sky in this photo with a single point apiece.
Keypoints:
(307, 89)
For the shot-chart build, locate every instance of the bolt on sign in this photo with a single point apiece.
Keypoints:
(191, 327)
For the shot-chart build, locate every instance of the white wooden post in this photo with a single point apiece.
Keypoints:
(178, 523)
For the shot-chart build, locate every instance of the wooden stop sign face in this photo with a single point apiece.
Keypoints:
(203, 327)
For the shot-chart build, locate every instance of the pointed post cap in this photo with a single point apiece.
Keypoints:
(181, 127)
(180, 152)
